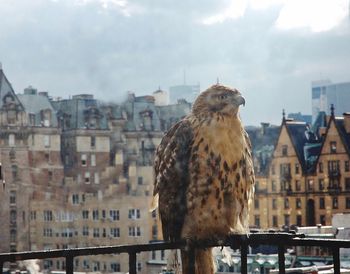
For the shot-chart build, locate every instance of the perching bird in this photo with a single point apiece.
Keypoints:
(204, 176)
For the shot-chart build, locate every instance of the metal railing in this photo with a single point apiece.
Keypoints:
(241, 242)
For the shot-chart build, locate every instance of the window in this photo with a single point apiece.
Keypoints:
(13, 235)
(299, 220)
(274, 204)
(347, 203)
(256, 203)
(273, 186)
(14, 172)
(273, 171)
(286, 203)
(85, 231)
(333, 147)
(47, 232)
(155, 232)
(92, 141)
(298, 203)
(153, 255)
(33, 215)
(47, 141)
(83, 159)
(115, 267)
(96, 233)
(297, 185)
(287, 220)
(297, 168)
(134, 231)
(257, 220)
(96, 178)
(93, 160)
(347, 183)
(310, 184)
(321, 184)
(48, 216)
(50, 175)
(12, 197)
(75, 199)
(320, 167)
(85, 214)
(114, 215)
(139, 266)
(335, 203)
(87, 177)
(95, 215)
(96, 266)
(134, 214)
(333, 166)
(115, 232)
(12, 140)
(322, 203)
(86, 264)
(284, 150)
(274, 221)
(140, 180)
(323, 219)
(347, 166)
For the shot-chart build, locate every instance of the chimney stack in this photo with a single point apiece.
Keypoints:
(347, 121)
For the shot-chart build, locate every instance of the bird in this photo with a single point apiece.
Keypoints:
(204, 175)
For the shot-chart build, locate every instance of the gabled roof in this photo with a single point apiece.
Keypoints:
(345, 137)
(6, 89)
(296, 132)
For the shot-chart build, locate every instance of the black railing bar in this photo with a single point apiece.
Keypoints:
(69, 265)
(233, 241)
(336, 260)
(132, 263)
(244, 256)
(339, 243)
(281, 260)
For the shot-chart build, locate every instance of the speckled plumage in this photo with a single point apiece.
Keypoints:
(204, 173)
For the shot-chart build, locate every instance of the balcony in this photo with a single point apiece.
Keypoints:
(242, 242)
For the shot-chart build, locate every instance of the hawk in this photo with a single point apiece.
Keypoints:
(204, 176)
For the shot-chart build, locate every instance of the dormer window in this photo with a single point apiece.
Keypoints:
(333, 147)
(284, 150)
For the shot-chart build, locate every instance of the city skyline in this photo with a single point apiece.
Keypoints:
(270, 50)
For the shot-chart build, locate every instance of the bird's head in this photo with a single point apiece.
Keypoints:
(218, 99)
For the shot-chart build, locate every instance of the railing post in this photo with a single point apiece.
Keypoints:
(281, 260)
(244, 255)
(132, 263)
(192, 259)
(336, 260)
(69, 264)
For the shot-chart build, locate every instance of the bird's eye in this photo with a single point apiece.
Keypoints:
(222, 97)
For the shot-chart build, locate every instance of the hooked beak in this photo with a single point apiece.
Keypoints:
(240, 100)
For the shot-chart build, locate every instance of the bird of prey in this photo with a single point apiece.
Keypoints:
(204, 176)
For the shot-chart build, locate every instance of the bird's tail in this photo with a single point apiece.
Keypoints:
(204, 263)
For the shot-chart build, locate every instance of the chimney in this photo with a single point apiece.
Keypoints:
(347, 121)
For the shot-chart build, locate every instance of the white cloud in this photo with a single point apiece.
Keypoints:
(235, 10)
(317, 15)
(264, 4)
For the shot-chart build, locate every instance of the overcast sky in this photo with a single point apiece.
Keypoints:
(270, 50)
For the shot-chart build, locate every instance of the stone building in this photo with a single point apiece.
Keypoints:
(308, 178)
(30, 158)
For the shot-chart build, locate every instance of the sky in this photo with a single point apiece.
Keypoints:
(270, 50)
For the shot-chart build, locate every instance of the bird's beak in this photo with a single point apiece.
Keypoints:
(240, 100)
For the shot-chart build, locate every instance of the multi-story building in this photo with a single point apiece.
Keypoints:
(30, 158)
(185, 91)
(324, 93)
(309, 175)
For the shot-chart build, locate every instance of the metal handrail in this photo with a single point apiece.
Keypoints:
(279, 239)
